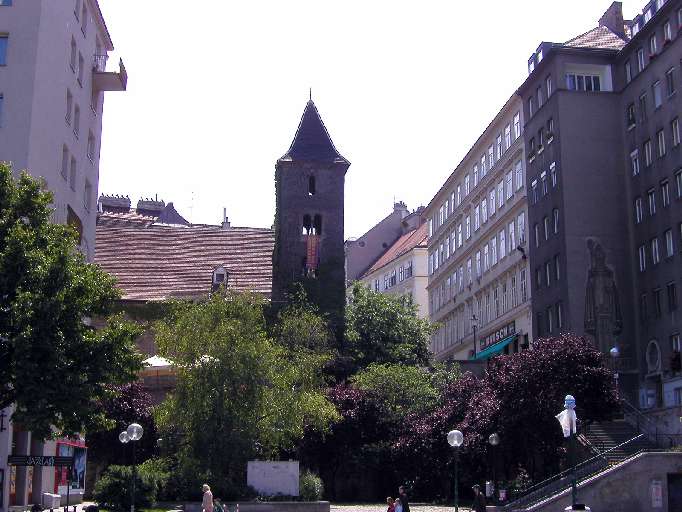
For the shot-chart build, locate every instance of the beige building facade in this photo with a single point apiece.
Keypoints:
(53, 56)
(478, 285)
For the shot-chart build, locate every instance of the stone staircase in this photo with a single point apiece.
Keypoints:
(607, 435)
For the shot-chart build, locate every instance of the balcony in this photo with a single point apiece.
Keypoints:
(103, 80)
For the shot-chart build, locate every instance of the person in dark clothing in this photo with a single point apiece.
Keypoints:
(479, 499)
(403, 499)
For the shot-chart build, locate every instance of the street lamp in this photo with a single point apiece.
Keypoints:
(494, 440)
(568, 421)
(474, 325)
(455, 439)
(615, 354)
(132, 433)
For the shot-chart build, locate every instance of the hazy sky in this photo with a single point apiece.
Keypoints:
(217, 87)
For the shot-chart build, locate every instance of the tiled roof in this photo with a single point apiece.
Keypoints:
(160, 261)
(312, 141)
(600, 37)
(415, 238)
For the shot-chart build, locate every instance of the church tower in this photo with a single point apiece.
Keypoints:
(309, 187)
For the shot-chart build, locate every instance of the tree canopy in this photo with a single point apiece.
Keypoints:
(54, 368)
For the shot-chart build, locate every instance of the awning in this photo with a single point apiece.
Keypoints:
(494, 349)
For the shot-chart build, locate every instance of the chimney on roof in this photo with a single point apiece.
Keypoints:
(613, 19)
(401, 207)
(114, 203)
(226, 223)
(151, 207)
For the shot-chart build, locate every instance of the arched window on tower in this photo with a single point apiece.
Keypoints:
(311, 185)
(317, 225)
(307, 225)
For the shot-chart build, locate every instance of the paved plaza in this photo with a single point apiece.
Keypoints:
(380, 507)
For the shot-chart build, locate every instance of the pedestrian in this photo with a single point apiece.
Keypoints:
(403, 499)
(391, 504)
(217, 506)
(397, 506)
(207, 502)
(479, 499)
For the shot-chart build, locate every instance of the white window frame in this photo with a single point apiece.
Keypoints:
(518, 169)
(642, 258)
(655, 254)
(639, 210)
(517, 125)
(669, 244)
(634, 160)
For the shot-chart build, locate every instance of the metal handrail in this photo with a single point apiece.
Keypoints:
(639, 416)
(597, 458)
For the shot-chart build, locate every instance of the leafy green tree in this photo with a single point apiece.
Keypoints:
(54, 368)
(383, 328)
(239, 394)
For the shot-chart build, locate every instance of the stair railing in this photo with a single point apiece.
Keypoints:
(559, 482)
(642, 422)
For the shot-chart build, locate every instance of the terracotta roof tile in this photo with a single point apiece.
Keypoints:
(600, 37)
(157, 261)
(415, 238)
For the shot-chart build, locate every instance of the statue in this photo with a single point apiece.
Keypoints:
(603, 318)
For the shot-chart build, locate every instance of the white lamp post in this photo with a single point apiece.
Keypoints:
(455, 439)
(132, 433)
(494, 440)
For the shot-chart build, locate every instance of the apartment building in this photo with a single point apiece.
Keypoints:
(605, 193)
(477, 251)
(402, 267)
(53, 61)
(53, 74)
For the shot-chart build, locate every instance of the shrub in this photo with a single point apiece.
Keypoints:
(112, 490)
(310, 486)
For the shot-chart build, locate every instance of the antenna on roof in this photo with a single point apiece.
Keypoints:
(310, 94)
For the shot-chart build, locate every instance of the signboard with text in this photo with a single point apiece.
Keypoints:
(39, 460)
(498, 335)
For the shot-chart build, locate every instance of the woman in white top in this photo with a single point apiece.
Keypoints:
(207, 502)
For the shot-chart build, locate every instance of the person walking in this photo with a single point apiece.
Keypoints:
(207, 501)
(403, 499)
(391, 504)
(479, 499)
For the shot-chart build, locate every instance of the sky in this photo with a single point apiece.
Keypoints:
(217, 88)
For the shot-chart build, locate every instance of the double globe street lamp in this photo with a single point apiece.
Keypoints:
(455, 439)
(132, 433)
(494, 440)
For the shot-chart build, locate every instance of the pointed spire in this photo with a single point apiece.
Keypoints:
(312, 141)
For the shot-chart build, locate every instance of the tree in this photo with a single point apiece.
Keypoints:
(53, 367)
(518, 398)
(239, 393)
(383, 328)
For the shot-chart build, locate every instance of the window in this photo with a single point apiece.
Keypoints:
(667, 32)
(491, 157)
(670, 81)
(468, 227)
(517, 125)
(628, 72)
(675, 129)
(661, 143)
(552, 172)
(512, 237)
(678, 180)
(675, 346)
(81, 65)
(499, 146)
(459, 194)
(639, 213)
(545, 223)
(555, 216)
(509, 185)
(522, 280)
(69, 106)
(500, 194)
(538, 278)
(493, 251)
(653, 47)
(484, 210)
(507, 136)
(536, 230)
(459, 236)
(642, 258)
(658, 99)
(4, 41)
(486, 258)
(669, 244)
(521, 225)
(534, 191)
(491, 205)
(541, 139)
(583, 82)
(640, 60)
(376, 285)
(643, 309)
(538, 94)
(642, 107)
(545, 186)
(477, 218)
(469, 276)
(557, 268)
(548, 273)
(630, 119)
(648, 153)
(467, 185)
(550, 319)
(478, 264)
(503, 244)
(483, 169)
(91, 146)
(548, 85)
(655, 256)
(657, 302)
(531, 106)
(76, 120)
(72, 174)
(634, 159)
(559, 315)
(652, 201)
(475, 173)
(65, 162)
(5, 3)
(87, 195)
(550, 129)
(665, 193)
(518, 170)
